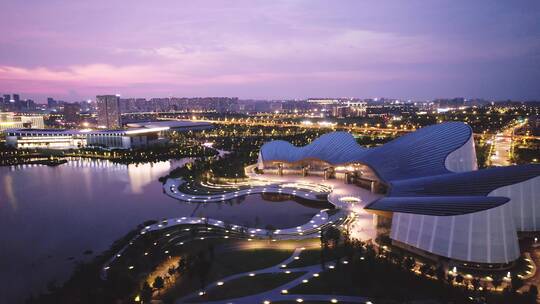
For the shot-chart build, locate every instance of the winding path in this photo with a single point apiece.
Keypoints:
(303, 190)
(276, 294)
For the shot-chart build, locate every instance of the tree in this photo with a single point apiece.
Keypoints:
(440, 273)
(497, 281)
(425, 269)
(181, 264)
(146, 293)
(517, 283)
(532, 293)
(331, 237)
(409, 263)
(269, 231)
(158, 283)
(459, 279)
(171, 271)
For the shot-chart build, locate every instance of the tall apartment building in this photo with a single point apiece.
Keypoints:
(108, 109)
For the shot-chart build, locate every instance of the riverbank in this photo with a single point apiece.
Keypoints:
(11, 157)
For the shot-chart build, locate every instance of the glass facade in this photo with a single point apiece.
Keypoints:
(108, 108)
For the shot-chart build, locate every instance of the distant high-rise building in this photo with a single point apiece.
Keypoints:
(51, 103)
(108, 108)
(16, 98)
(8, 103)
(71, 112)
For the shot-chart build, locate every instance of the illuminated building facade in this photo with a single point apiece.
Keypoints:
(438, 204)
(73, 139)
(108, 110)
(10, 120)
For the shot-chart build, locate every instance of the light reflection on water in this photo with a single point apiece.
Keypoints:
(50, 215)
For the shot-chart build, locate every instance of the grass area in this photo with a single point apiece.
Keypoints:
(229, 263)
(246, 286)
(251, 259)
(307, 257)
(373, 279)
(313, 256)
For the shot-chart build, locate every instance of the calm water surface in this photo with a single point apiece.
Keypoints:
(49, 216)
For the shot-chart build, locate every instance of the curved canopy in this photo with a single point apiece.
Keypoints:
(416, 154)
(413, 166)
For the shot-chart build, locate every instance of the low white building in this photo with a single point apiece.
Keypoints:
(9, 120)
(73, 139)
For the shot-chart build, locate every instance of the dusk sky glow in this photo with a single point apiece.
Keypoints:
(270, 49)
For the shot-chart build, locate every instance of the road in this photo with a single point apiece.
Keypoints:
(502, 149)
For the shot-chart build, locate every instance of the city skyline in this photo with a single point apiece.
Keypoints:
(278, 50)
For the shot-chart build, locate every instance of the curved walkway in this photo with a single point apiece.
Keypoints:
(276, 294)
(318, 221)
(307, 191)
(346, 198)
(308, 230)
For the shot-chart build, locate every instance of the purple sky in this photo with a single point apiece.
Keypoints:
(270, 49)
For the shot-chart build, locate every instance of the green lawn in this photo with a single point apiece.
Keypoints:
(313, 256)
(246, 286)
(307, 257)
(226, 264)
(252, 259)
(376, 280)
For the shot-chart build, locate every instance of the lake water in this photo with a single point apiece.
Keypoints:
(49, 216)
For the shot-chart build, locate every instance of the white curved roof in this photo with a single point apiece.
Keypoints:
(336, 147)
